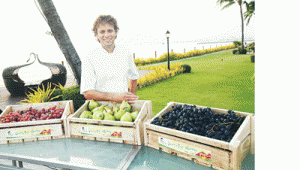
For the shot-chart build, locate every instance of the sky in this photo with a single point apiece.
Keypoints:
(141, 23)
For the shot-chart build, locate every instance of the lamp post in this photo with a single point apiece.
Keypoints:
(168, 35)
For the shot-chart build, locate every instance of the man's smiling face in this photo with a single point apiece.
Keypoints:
(106, 35)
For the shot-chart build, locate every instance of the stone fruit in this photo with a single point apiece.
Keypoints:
(134, 115)
(93, 104)
(85, 114)
(126, 117)
(98, 115)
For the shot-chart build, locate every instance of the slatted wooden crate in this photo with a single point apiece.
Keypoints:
(223, 155)
(111, 131)
(27, 131)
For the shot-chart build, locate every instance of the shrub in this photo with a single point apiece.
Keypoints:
(237, 43)
(159, 73)
(242, 50)
(186, 68)
(40, 95)
(234, 51)
(73, 93)
(177, 56)
(252, 58)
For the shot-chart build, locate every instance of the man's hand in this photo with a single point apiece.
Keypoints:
(128, 97)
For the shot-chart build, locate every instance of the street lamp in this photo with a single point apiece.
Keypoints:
(168, 35)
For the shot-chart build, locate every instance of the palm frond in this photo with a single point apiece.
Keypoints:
(228, 5)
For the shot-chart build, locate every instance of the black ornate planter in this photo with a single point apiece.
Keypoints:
(16, 86)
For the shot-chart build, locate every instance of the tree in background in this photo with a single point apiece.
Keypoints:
(61, 36)
(228, 3)
(250, 10)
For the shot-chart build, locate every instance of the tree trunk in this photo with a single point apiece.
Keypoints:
(61, 36)
(240, 3)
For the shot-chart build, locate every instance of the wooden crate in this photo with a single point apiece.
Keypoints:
(32, 130)
(111, 131)
(224, 155)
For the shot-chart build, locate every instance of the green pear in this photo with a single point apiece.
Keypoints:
(100, 108)
(93, 104)
(98, 115)
(125, 106)
(126, 117)
(119, 114)
(108, 110)
(108, 116)
(134, 115)
(115, 109)
(85, 114)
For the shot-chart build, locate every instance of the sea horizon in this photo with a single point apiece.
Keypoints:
(139, 52)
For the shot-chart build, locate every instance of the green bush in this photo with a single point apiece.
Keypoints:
(237, 43)
(71, 93)
(252, 58)
(234, 51)
(242, 50)
(186, 68)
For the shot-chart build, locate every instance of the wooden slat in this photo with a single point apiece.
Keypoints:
(189, 136)
(30, 139)
(220, 158)
(135, 127)
(60, 104)
(230, 155)
(215, 110)
(253, 134)
(243, 131)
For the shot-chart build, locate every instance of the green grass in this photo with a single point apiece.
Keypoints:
(226, 84)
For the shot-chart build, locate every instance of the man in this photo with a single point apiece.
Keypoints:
(107, 69)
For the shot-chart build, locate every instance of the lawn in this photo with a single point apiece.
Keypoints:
(220, 80)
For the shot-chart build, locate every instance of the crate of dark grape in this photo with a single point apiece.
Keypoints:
(111, 122)
(36, 121)
(208, 136)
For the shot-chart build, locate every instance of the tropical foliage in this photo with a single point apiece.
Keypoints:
(250, 10)
(178, 56)
(40, 95)
(158, 73)
(228, 3)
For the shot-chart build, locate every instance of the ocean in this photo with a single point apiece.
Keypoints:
(36, 73)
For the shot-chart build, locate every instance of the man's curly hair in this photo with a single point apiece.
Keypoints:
(105, 19)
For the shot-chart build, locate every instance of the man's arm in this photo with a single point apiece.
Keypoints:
(132, 86)
(95, 95)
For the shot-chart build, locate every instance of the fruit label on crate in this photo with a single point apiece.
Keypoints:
(185, 148)
(102, 131)
(29, 132)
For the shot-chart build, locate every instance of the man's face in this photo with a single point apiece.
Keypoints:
(106, 35)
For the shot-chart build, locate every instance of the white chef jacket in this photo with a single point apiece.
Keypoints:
(108, 72)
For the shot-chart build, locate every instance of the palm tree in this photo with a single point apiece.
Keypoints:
(228, 3)
(250, 10)
(61, 36)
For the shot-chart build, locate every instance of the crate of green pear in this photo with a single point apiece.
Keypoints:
(109, 121)
(209, 136)
(35, 121)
